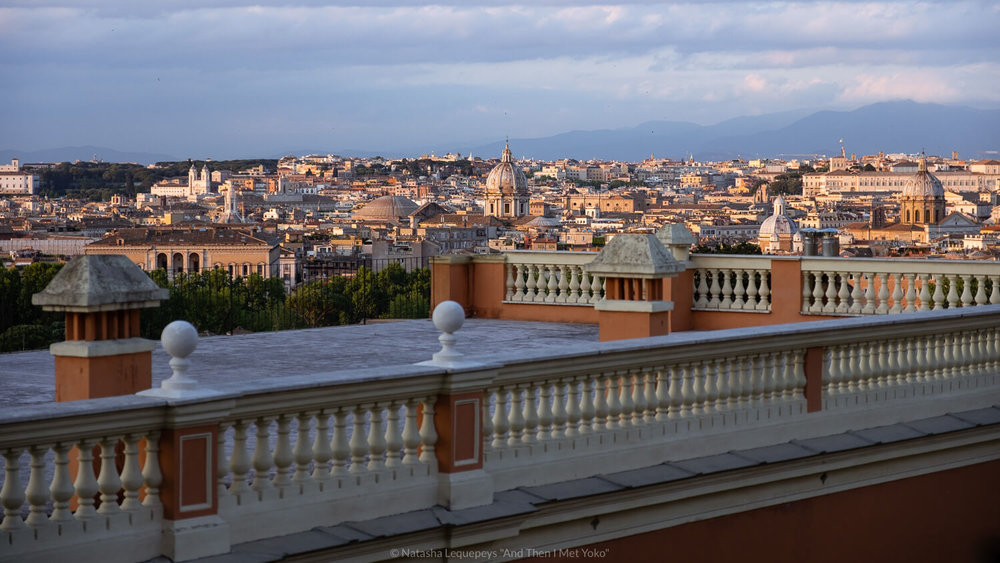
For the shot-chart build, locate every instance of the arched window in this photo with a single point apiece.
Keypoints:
(194, 263)
(161, 261)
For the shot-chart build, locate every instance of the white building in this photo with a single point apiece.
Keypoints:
(14, 181)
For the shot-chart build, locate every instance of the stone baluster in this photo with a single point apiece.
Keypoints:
(926, 304)
(516, 416)
(752, 292)
(715, 288)
(857, 294)
(596, 289)
(585, 293)
(283, 457)
(108, 481)
(649, 394)
(843, 294)
(152, 476)
(765, 291)
(953, 299)
(727, 290)
(530, 435)
(239, 462)
(720, 384)
(263, 460)
(938, 296)
(816, 300)
(358, 444)
(833, 373)
(966, 290)
(588, 411)
(339, 445)
(712, 374)
(601, 391)
(662, 391)
(687, 390)
(830, 306)
(980, 290)
(376, 438)
(544, 411)
(675, 396)
(897, 293)
(12, 494)
(740, 292)
(500, 425)
(758, 369)
(552, 289)
(734, 382)
(559, 414)
(221, 461)
(562, 283)
(994, 290)
(519, 285)
(901, 365)
(870, 299)
(322, 452)
(638, 398)
(702, 301)
(574, 284)
(614, 401)
(883, 295)
(393, 437)
(911, 293)
(509, 283)
(574, 413)
(428, 434)
(806, 292)
(131, 477)
(626, 385)
(86, 484)
(411, 434)
(36, 493)
(61, 489)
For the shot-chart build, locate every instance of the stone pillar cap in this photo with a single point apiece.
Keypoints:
(675, 233)
(635, 256)
(100, 282)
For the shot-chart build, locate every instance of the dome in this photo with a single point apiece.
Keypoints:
(506, 177)
(923, 183)
(387, 207)
(778, 223)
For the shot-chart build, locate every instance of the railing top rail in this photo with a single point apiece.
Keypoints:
(550, 256)
(731, 260)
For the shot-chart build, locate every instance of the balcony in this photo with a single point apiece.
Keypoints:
(530, 440)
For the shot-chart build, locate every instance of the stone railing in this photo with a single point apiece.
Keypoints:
(731, 283)
(834, 286)
(289, 455)
(551, 277)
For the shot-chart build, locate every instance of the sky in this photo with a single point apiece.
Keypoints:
(233, 79)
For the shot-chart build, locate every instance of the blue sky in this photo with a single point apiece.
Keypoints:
(235, 79)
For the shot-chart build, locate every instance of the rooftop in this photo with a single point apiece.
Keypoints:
(27, 377)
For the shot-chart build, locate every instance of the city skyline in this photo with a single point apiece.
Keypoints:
(236, 80)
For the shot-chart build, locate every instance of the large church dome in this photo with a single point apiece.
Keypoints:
(506, 177)
(387, 207)
(923, 183)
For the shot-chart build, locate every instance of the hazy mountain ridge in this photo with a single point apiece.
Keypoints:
(901, 126)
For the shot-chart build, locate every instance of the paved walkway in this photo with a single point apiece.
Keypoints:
(28, 377)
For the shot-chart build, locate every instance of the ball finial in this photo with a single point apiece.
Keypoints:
(448, 316)
(179, 339)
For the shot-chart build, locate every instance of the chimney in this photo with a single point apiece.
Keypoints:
(103, 354)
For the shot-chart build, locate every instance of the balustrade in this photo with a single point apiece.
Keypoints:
(551, 277)
(731, 284)
(878, 287)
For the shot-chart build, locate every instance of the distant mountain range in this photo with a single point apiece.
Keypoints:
(85, 153)
(903, 126)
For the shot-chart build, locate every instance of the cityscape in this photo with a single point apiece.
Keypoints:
(563, 281)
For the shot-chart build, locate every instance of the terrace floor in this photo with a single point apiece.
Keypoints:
(28, 377)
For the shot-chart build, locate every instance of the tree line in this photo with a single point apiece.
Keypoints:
(217, 303)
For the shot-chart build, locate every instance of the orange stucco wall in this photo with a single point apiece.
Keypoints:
(103, 376)
(619, 325)
(481, 286)
(951, 515)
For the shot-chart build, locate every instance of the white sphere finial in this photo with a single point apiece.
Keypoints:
(448, 317)
(179, 339)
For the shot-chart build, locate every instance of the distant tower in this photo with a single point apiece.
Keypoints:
(231, 213)
(206, 179)
(507, 193)
(192, 179)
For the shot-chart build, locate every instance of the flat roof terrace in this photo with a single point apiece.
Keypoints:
(28, 377)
